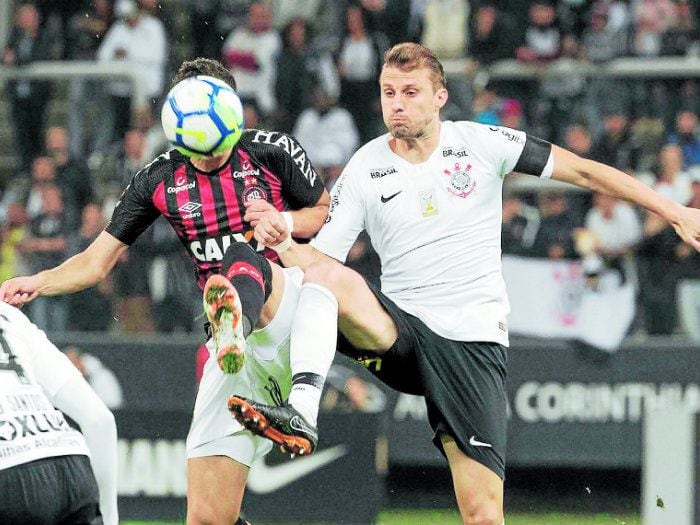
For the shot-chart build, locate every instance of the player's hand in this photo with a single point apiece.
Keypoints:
(270, 227)
(687, 226)
(20, 290)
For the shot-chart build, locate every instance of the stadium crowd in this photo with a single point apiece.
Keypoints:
(310, 68)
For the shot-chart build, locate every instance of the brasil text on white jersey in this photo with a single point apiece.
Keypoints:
(32, 371)
(437, 225)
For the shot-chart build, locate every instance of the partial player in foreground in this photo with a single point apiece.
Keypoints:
(217, 180)
(429, 195)
(49, 471)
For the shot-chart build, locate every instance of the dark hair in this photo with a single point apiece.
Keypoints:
(203, 66)
(409, 56)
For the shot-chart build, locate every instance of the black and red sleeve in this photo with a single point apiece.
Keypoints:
(135, 210)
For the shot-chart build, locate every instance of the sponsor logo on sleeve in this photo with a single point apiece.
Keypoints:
(292, 147)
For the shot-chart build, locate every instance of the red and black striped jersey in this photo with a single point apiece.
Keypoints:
(206, 208)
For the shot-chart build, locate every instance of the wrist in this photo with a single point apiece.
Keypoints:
(287, 242)
(290, 222)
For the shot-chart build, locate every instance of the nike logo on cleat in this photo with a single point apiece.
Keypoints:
(387, 199)
(473, 442)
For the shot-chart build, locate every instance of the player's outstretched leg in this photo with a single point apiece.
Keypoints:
(281, 424)
(223, 309)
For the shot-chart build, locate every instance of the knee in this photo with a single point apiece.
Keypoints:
(330, 274)
(202, 514)
(483, 513)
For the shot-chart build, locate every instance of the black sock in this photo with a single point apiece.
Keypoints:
(251, 274)
(241, 521)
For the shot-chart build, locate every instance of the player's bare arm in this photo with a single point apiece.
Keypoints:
(571, 168)
(75, 274)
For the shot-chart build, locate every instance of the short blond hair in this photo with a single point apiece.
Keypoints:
(408, 56)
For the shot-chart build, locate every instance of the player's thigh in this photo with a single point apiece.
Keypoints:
(215, 486)
(479, 490)
(361, 317)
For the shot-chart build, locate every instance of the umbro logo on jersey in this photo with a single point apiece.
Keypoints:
(387, 199)
(473, 442)
(190, 209)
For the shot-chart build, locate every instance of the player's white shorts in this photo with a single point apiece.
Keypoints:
(214, 431)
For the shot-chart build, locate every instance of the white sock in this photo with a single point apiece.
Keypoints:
(314, 335)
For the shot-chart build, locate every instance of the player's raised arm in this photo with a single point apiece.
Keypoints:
(569, 167)
(81, 271)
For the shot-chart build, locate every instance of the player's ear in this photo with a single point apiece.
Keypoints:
(440, 98)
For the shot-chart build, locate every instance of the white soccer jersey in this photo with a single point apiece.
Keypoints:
(32, 371)
(437, 225)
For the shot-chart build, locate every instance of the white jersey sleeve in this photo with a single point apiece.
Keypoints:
(346, 216)
(515, 150)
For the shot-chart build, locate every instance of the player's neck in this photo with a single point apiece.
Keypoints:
(419, 149)
(211, 163)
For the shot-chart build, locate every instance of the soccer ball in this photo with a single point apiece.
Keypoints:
(202, 116)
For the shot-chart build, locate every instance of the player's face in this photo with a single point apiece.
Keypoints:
(410, 102)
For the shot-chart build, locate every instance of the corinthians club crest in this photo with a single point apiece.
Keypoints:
(462, 183)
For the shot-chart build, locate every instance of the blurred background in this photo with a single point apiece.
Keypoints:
(605, 297)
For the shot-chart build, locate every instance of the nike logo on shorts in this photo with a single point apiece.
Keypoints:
(473, 442)
(387, 199)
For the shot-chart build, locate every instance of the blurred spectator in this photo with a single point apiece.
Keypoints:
(359, 63)
(573, 16)
(616, 230)
(688, 293)
(486, 106)
(284, 11)
(154, 137)
(601, 41)
(542, 37)
(652, 19)
(176, 298)
(32, 196)
(491, 37)
(91, 309)
(397, 21)
(133, 304)
(327, 133)
(687, 136)
(512, 114)
(71, 175)
(12, 233)
(578, 140)
(44, 248)
(120, 165)
(27, 99)
(445, 27)
(678, 37)
(139, 40)
(86, 29)
(671, 181)
(298, 66)
(554, 238)
(250, 51)
(520, 224)
(206, 39)
(615, 146)
(559, 96)
(99, 377)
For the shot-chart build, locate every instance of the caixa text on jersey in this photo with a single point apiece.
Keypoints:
(213, 248)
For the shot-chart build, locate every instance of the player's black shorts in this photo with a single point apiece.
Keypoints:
(463, 383)
(57, 490)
